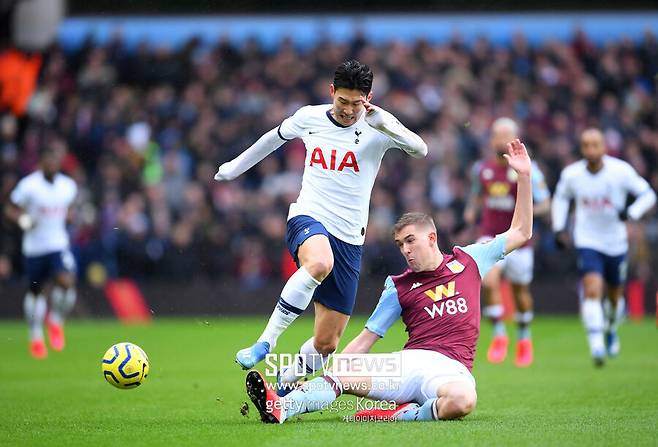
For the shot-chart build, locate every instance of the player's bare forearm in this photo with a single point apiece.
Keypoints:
(520, 230)
(362, 343)
(17, 215)
(70, 215)
(12, 212)
(471, 210)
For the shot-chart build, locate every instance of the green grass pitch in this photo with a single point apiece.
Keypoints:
(194, 392)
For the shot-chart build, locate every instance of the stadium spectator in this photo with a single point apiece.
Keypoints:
(147, 127)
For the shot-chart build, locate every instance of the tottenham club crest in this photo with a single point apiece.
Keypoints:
(357, 133)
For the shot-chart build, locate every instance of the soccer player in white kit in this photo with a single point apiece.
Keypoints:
(599, 185)
(39, 204)
(345, 143)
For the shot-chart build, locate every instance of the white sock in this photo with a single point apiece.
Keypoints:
(62, 302)
(493, 311)
(524, 317)
(295, 298)
(314, 395)
(592, 313)
(425, 412)
(35, 312)
(618, 313)
(309, 360)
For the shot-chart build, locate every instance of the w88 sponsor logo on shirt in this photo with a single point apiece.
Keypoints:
(449, 307)
(444, 301)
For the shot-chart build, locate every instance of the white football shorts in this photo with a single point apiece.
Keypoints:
(422, 373)
(517, 266)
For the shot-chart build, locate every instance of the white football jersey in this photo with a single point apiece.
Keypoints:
(47, 204)
(599, 198)
(340, 169)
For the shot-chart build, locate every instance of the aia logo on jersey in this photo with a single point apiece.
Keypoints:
(597, 203)
(52, 210)
(348, 160)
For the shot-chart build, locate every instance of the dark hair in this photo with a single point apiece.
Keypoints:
(421, 219)
(353, 75)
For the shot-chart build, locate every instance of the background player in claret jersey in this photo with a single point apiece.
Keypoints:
(438, 298)
(494, 193)
(345, 143)
(599, 185)
(39, 204)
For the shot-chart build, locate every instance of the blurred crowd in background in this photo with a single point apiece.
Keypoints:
(144, 130)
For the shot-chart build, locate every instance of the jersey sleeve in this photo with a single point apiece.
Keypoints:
(560, 205)
(19, 196)
(635, 184)
(645, 197)
(74, 191)
(540, 191)
(293, 126)
(388, 310)
(486, 254)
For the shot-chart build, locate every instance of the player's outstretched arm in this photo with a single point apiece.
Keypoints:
(642, 204)
(362, 343)
(264, 146)
(386, 123)
(560, 211)
(520, 230)
(645, 196)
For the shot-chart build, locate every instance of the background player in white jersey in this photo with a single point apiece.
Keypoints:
(438, 299)
(493, 192)
(345, 143)
(39, 205)
(599, 185)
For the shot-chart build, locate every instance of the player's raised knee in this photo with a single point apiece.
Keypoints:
(459, 403)
(319, 268)
(327, 346)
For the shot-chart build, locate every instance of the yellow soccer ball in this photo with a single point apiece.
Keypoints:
(125, 365)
